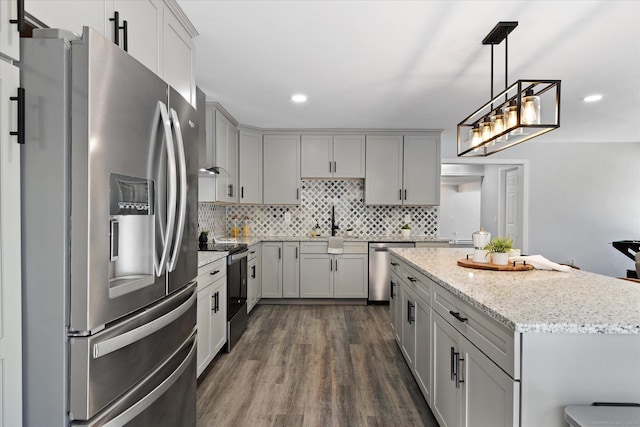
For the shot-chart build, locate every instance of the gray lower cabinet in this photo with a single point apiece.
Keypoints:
(211, 312)
(254, 276)
(280, 270)
(459, 380)
(468, 388)
(323, 275)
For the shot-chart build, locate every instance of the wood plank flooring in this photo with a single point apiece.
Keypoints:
(313, 365)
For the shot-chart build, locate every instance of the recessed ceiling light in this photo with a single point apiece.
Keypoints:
(592, 98)
(299, 98)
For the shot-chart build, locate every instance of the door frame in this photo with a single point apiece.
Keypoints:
(502, 202)
(507, 163)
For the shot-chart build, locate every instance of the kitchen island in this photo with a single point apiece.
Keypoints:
(513, 348)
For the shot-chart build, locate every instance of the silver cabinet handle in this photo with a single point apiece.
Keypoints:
(120, 341)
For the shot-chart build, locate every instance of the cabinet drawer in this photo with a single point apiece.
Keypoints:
(321, 247)
(356, 247)
(396, 265)
(418, 282)
(492, 338)
(211, 272)
(313, 247)
(254, 251)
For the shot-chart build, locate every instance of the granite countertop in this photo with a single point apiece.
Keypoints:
(360, 238)
(536, 300)
(206, 257)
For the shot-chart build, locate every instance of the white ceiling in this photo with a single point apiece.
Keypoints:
(416, 64)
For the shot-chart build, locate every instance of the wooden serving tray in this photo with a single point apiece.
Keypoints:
(512, 266)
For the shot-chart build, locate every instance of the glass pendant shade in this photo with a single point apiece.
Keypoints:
(530, 109)
(485, 127)
(498, 124)
(475, 136)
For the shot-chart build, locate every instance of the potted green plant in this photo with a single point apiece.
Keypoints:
(499, 249)
(405, 230)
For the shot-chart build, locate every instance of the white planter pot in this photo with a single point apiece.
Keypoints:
(500, 258)
(405, 232)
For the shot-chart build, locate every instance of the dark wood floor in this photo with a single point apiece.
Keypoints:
(316, 365)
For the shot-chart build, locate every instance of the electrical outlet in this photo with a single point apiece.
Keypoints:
(287, 217)
(407, 219)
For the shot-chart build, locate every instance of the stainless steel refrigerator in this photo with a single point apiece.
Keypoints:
(109, 198)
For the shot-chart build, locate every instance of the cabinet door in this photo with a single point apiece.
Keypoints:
(222, 146)
(281, 176)
(272, 270)
(316, 276)
(205, 305)
(291, 270)
(250, 167)
(251, 284)
(383, 183)
(10, 249)
(178, 57)
(490, 396)
(408, 322)
(219, 317)
(9, 35)
(421, 176)
(348, 156)
(395, 309)
(70, 15)
(445, 399)
(422, 370)
(317, 156)
(144, 28)
(351, 276)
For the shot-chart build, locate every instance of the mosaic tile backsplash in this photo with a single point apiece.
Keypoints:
(317, 198)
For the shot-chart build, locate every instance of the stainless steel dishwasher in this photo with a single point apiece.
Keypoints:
(380, 269)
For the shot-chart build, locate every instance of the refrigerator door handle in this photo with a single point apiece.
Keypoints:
(138, 407)
(172, 186)
(120, 341)
(182, 208)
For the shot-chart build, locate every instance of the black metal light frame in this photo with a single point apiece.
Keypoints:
(547, 91)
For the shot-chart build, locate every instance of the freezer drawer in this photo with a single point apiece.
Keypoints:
(167, 398)
(108, 364)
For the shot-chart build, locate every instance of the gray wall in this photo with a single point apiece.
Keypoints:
(459, 210)
(582, 196)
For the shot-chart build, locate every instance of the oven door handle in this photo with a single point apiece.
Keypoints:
(237, 256)
(120, 341)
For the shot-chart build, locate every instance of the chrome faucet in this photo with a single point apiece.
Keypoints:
(334, 226)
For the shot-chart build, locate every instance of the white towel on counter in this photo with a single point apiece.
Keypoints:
(336, 245)
(541, 263)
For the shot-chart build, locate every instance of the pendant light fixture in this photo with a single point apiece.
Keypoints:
(524, 110)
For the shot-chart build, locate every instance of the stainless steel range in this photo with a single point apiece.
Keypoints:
(236, 288)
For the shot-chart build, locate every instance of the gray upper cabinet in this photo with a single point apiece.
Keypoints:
(281, 173)
(421, 171)
(333, 156)
(158, 33)
(317, 156)
(402, 170)
(250, 167)
(226, 158)
(383, 182)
